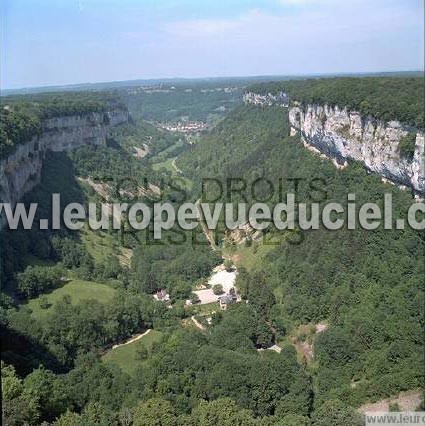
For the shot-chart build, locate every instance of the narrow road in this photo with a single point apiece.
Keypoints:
(197, 323)
(133, 339)
(173, 163)
(204, 227)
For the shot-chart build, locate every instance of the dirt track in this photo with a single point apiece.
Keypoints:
(133, 339)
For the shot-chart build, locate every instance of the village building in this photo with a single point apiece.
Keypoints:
(228, 299)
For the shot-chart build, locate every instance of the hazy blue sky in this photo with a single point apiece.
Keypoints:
(48, 42)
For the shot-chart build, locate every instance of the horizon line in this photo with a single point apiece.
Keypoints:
(253, 76)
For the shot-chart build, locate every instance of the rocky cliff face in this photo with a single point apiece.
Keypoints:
(21, 171)
(343, 135)
(269, 99)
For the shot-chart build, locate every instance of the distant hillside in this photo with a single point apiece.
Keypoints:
(386, 98)
(21, 116)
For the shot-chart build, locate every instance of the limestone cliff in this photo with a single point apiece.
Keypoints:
(268, 99)
(21, 170)
(344, 135)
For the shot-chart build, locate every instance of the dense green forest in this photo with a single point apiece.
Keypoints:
(68, 297)
(385, 98)
(367, 284)
(48, 105)
(139, 133)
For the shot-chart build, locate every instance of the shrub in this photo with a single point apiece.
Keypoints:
(228, 265)
(194, 298)
(406, 146)
(217, 289)
(37, 279)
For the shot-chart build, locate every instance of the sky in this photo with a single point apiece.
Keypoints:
(57, 42)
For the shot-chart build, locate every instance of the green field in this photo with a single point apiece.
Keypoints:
(167, 165)
(102, 245)
(167, 152)
(126, 356)
(78, 290)
(253, 257)
(206, 309)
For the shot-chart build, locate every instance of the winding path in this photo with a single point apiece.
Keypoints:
(173, 163)
(133, 339)
(204, 226)
(197, 323)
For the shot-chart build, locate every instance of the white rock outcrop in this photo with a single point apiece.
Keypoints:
(344, 135)
(269, 99)
(21, 170)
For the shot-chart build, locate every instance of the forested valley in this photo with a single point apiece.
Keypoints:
(345, 308)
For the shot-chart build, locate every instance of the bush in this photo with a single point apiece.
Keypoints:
(336, 413)
(38, 279)
(228, 265)
(180, 291)
(217, 289)
(194, 298)
(293, 420)
(406, 146)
